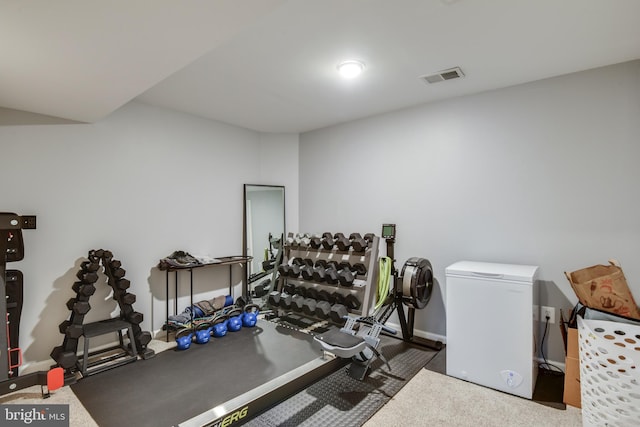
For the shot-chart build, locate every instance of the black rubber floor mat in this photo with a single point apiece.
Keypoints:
(340, 400)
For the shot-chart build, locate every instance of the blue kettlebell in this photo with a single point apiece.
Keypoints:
(220, 328)
(250, 315)
(203, 333)
(183, 339)
(234, 324)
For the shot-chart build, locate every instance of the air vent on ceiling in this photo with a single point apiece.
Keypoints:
(451, 73)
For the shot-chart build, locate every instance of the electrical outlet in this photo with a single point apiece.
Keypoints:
(549, 312)
(28, 222)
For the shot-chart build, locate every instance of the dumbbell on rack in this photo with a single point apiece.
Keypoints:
(341, 242)
(347, 273)
(315, 241)
(327, 241)
(359, 243)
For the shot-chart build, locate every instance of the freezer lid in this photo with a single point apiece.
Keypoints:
(489, 270)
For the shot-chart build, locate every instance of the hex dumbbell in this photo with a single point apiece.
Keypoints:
(323, 309)
(331, 275)
(309, 306)
(78, 307)
(352, 302)
(337, 313)
(274, 299)
(315, 242)
(297, 302)
(70, 330)
(328, 241)
(85, 289)
(341, 242)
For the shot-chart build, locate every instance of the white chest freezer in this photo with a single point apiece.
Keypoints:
(491, 329)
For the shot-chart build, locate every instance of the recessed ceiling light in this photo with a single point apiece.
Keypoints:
(350, 69)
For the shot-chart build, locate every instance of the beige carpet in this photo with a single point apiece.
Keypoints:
(78, 416)
(438, 400)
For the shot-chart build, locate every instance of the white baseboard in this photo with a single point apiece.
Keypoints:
(419, 333)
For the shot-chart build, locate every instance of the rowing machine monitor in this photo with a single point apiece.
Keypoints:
(388, 231)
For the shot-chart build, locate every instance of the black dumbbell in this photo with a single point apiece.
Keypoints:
(323, 295)
(294, 271)
(84, 289)
(321, 263)
(352, 302)
(87, 277)
(70, 330)
(337, 313)
(143, 338)
(97, 253)
(128, 298)
(136, 318)
(78, 307)
(346, 277)
(65, 359)
(331, 275)
(346, 270)
(115, 264)
(341, 242)
(312, 293)
(309, 306)
(283, 269)
(323, 308)
(259, 290)
(358, 243)
(123, 284)
(297, 302)
(305, 240)
(337, 298)
(318, 274)
(90, 267)
(290, 288)
(301, 290)
(328, 241)
(359, 268)
(315, 242)
(118, 273)
(274, 299)
(306, 272)
(285, 301)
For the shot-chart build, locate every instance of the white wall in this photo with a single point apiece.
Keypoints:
(543, 173)
(142, 183)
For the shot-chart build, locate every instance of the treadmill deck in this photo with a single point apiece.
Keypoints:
(236, 376)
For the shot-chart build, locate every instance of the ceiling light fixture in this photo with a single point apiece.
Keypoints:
(350, 69)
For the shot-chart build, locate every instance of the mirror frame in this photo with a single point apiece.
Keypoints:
(244, 222)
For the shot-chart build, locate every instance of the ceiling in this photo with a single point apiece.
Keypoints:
(270, 65)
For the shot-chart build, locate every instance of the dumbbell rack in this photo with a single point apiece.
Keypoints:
(363, 288)
(74, 328)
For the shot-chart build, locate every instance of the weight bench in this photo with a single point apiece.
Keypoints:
(360, 346)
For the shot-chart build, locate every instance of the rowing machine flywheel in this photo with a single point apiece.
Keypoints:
(417, 282)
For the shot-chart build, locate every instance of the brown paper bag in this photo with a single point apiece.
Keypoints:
(605, 288)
